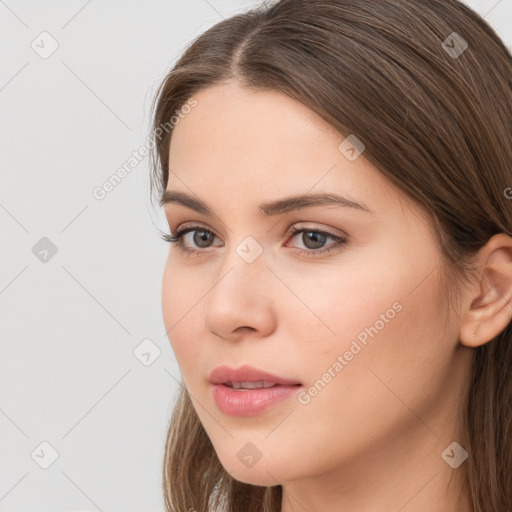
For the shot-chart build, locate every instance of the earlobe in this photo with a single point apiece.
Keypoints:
(490, 298)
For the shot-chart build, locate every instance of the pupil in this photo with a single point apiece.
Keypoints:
(201, 238)
(315, 237)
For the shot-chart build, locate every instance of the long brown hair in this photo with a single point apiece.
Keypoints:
(435, 117)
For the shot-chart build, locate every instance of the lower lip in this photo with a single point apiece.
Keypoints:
(250, 402)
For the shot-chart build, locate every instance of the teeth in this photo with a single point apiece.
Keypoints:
(252, 385)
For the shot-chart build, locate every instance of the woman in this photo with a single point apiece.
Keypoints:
(336, 175)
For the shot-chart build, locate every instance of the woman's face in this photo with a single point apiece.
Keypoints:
(361, 326)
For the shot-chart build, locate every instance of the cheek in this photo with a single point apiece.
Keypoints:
(391, 309)
(388, 342)
(358, 403)
(384, 322)
(339, 303)
(366, 296)
(181, 313)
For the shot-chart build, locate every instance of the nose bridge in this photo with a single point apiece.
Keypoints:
(243, 268)
(239, 297)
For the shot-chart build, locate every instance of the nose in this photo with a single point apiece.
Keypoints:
(240, 302)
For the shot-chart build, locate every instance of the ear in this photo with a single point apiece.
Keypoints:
(490, 297)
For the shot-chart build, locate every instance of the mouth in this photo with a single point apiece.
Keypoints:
(251, 398)
(247, 391)
(261, 384)
(247, 377)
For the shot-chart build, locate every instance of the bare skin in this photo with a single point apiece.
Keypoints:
(371, 438)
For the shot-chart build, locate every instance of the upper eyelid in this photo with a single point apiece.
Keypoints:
(199, 224)
(292, 231)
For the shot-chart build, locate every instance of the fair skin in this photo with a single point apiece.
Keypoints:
(371, 440)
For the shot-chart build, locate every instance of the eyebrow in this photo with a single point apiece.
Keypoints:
(277, 207)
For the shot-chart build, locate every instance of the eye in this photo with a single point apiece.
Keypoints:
(200, 236)
(313, 239)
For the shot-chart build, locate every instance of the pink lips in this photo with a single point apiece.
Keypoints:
(246, 373)
(249, 402)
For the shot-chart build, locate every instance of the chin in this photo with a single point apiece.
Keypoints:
(255, 476)
(261, 473)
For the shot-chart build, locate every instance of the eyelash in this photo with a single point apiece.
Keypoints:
(177, 239)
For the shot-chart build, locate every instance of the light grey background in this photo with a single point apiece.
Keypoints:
(69, 376)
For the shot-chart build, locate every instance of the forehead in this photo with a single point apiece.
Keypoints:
(243, 146)
(256, 130)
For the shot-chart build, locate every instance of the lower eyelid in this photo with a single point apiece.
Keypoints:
(185, 231)
(337, 245)
(337, 240)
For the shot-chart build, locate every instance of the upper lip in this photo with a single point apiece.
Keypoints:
(246, 373)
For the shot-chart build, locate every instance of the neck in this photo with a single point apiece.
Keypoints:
(408, 475)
